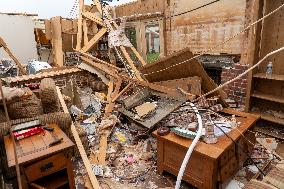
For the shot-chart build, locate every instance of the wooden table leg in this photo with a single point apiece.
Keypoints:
(160, 156)
(70, 175)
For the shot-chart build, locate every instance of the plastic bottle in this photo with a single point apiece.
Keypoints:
(269, 68)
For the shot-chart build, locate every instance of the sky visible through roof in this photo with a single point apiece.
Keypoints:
(45, 8)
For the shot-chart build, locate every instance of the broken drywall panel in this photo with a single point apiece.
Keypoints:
(18, 32)
(173, 69)
(190, 85)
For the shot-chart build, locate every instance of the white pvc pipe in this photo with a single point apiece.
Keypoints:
(190, 149)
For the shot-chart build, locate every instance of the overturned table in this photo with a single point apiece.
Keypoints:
(210, 165)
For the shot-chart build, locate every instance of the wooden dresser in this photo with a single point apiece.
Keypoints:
(211, 165)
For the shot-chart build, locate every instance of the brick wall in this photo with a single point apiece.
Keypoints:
(236, 90)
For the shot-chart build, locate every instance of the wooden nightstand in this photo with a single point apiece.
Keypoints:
(43, 166)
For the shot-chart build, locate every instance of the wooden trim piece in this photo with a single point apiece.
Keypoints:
(140, 58)
(99, 6)
(80, 146)
(169, 91)
(131, 63)
(91, 16)
(85, 30)
(122, 91)
(110, 105)
(94, 40)
(56, 40)
(80, 23)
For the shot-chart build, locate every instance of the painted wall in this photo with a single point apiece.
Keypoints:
(18, 33)
(206, 27)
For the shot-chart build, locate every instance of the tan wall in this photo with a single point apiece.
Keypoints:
(140, 7)
(206, 27)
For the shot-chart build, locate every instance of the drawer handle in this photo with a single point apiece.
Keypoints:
(46, 167)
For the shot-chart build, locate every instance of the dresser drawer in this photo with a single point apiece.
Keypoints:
(45, 167)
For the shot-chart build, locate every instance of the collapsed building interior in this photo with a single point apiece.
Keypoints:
(148, 94)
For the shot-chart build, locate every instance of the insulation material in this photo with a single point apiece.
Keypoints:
(118, 38)
(48, 95)
(26, 108)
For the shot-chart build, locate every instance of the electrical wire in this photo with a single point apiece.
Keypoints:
(222, 43)
(191, 147)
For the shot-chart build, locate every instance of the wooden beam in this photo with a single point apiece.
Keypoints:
(131, 63)
(17, 62)
(56, 40)
(91, 16)
(140, 58)
(122, 91)
(103, 148)
(80, 24)
(85, 30)
(99, 6)
(169, 91)
(110, 104)
(94, 40)
(80, 146)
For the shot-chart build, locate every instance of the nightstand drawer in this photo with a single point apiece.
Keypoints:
(45, 167)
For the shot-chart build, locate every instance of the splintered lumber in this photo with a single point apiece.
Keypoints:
(94, 40)
(80, 27)
(4, 45)
(138, 56)
(56, 32)
(131, 63)
(110, 105)
(80, 146)
(85, 29)
(99, 6)
(122, 91)
(169, 91)
(91, 16)
(103, 148)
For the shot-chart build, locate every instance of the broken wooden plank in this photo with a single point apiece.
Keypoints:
(80, 23)
(94, 40)
(140, 58)
(99, 6)
(122, 91)
(91, 16)
(110, 105)
(131, 63)
(56, 41)
(85, 31)
(103, 148)
(80, 146)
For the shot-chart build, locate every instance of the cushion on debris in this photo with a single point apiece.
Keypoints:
(275, 177)
(48, 95)
(26, 108)
(255, 184)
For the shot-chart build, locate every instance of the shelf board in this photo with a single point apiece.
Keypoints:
(269, 97)
(270, 118)
(270, 76)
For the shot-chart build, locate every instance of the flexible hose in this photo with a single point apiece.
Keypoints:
(191, 147)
